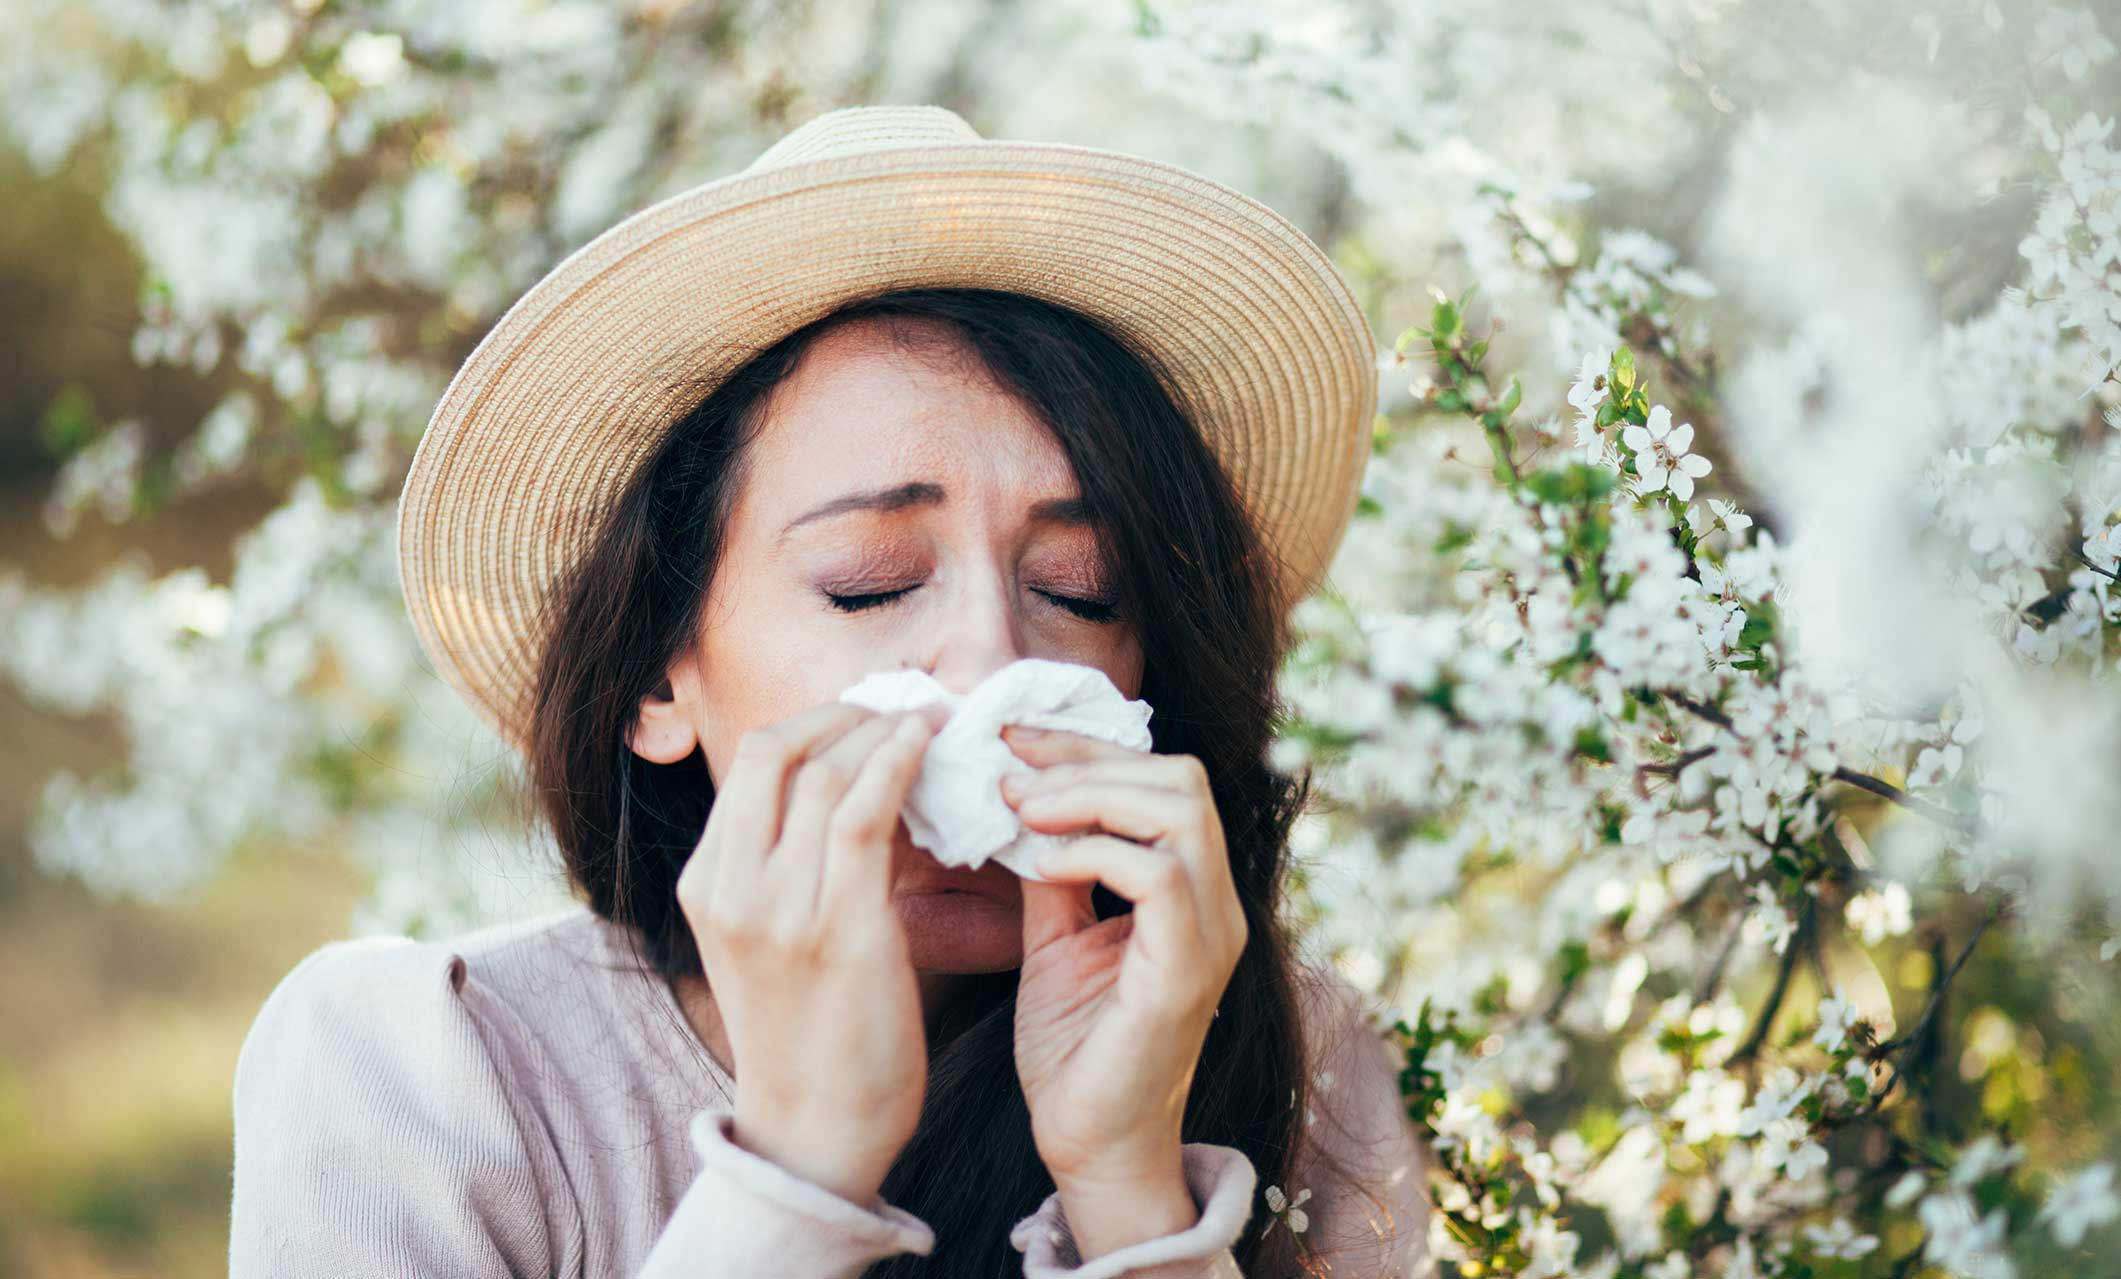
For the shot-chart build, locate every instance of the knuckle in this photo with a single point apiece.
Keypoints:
(726, 918)
(851, 828)
(694, 902)
(1207, 827)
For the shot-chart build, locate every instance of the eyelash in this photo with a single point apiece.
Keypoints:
(1088, 610)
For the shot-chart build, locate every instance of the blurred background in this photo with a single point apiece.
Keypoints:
(247, 241)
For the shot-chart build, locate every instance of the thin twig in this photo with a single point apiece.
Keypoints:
(1705, 989)
(1907, 1043)
(1922, 807)
(1680, 765)
(2077, 554)
(1700, 710)
(1746, 1051)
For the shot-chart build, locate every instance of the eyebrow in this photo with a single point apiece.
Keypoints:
(899, 497)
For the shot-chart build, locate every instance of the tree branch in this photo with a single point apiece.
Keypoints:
(1680, 765)
(1700, 710)
(1886, 790)
(2077, 553)
(1746, 1051)
(1906, 1044)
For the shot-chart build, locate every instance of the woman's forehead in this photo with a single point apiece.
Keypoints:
(860, 417)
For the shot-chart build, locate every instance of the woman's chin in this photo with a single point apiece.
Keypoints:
(958, 932)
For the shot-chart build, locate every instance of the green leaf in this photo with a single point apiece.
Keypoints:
(1622, 374)
(1455, 536)
(1550, 487)
(1445, 323)
(69, 422)
(1512, 397)
(1575, 960)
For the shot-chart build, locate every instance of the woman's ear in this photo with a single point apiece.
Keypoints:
(666, 729)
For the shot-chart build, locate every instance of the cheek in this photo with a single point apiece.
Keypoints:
(1120, 658)
(760, 665)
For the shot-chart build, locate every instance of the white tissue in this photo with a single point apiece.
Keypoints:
(955, 808)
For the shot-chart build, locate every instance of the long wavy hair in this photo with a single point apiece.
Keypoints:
(1196, 580)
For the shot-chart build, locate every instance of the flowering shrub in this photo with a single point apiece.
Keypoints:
(1715, 704)
(1609, 707)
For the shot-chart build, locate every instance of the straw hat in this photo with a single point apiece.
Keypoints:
(578, 382)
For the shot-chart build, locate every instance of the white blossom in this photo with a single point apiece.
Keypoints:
(2081, 1203)
(1661, 454)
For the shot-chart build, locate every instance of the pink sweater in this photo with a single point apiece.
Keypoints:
(530, 1101)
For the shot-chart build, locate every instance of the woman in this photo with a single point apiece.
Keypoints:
(991, 401)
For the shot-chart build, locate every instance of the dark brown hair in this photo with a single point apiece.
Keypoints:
(1196, 581)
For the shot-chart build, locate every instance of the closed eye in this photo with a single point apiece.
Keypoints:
(1088, 610)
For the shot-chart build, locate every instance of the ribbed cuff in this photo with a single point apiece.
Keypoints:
(748, 1210)
(1221, 1180)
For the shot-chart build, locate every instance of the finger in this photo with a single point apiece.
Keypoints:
(1150, 814)
(1174, 773)
(1154, 880)
(1053, 911)
(1052, 745)
(745, 818)
(858, 838)
(1182, 822)
(796, 864)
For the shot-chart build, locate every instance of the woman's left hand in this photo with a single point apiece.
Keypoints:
(1111, 1014)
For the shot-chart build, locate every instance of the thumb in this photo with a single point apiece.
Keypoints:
(1053, 911)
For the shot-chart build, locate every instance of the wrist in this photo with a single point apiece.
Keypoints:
(1112, 1206)
(856, 1184)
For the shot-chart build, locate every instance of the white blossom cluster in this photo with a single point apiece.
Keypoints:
(1608, 752)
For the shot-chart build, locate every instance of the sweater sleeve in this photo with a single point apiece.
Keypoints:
(374, 1133)
(1367, 1215)
(1220, 1179)
(379, 1130)
(746, 1215)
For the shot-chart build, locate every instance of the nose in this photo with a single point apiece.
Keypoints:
(977, 633)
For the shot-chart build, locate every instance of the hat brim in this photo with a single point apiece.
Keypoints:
(578, 381)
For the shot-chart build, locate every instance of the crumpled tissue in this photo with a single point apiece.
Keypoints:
(955, 808)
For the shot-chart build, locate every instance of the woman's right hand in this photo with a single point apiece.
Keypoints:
(805, 957)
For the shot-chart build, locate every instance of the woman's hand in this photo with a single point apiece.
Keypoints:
(1111, 1014)
(805, 957)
